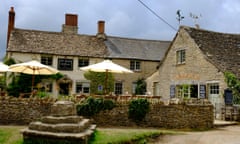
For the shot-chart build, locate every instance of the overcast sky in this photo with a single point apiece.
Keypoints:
(123, 18)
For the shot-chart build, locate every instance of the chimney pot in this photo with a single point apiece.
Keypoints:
(101, 30)
(101, 27)
(71, 20)
(11, 21)
(71, 24)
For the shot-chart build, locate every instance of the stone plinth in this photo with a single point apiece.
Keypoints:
(63, 108)
(62, 126)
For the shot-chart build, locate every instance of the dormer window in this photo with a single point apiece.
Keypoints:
(181, 56)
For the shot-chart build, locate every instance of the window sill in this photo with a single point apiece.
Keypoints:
(137, 71)
(179, 64)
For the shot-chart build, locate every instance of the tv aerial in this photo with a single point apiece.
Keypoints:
(195, 19)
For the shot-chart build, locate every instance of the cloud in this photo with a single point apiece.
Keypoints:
(122, 18)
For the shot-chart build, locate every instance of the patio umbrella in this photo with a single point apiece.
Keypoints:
(106, 66)
(34, 68)
(3, 67)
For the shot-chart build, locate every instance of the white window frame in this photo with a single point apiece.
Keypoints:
(214, 88)
(83, 86)
(116, 88)
(135, 65)
(47, 60)
(181, 56)
(82, 62)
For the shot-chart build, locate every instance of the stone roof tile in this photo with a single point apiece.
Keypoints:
(221, 49)
(56, 43)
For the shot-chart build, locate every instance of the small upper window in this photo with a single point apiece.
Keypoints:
(181, 56)
(65, 64)
(47, 60)
(83, 62)
(135, 65)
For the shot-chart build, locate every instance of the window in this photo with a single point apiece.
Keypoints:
(183, 91)
(214, 88)
(83, 62)
(134, 86)
(135, 65)
(65, 64)
(118, 88)
(181, 57)
(47, 60)
(82, 87)
(187, 91)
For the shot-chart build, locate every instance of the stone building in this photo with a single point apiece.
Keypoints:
(67, 51)
(194, 65)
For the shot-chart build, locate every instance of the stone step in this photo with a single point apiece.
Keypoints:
(62, 127)
(57, 120)
(82, 135)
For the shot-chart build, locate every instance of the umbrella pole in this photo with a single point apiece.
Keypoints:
(106, 79)
(32, 82)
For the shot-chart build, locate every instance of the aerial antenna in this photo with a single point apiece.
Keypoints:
(179, 16)
(195, 19)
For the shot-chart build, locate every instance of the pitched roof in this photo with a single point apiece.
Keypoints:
(136, 48)
(59, 43)
(221, 49)
(56, 43)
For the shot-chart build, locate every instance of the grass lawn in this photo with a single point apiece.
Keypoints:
(12, 135)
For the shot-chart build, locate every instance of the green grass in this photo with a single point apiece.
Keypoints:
(127, 135)
(12, 135)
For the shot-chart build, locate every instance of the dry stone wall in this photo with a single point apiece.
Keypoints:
(161, 116)
(194, 115)
(22, 111)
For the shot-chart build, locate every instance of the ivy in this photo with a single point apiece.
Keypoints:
(141, 87)
(234, 84)
(98, 79)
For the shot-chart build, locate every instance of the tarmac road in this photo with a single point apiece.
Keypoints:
(223, 135)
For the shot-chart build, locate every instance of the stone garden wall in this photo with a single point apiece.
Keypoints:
(164, 116)
(21, 111)
(185, 115)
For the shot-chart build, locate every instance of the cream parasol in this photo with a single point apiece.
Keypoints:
(106, 66)
(34, 68)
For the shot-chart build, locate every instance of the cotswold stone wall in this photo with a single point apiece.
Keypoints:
(162, 116)
(23, 111)
(192, 115)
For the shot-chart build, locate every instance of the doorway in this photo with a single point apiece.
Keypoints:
(64, 88)
(65, 85)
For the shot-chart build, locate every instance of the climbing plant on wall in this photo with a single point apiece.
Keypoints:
(141, 87)
(234, 84)
(98, 82)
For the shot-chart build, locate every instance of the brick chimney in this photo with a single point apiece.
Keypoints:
(71, 24)
(11, 21)
(101, 30)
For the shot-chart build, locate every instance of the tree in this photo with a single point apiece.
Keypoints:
(234, 84)
(141, 87)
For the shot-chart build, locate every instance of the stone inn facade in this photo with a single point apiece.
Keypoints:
(194, 66)
(68, 51)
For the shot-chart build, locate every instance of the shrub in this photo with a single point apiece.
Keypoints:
(138, 109)
(42, 94)
(92, 106)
